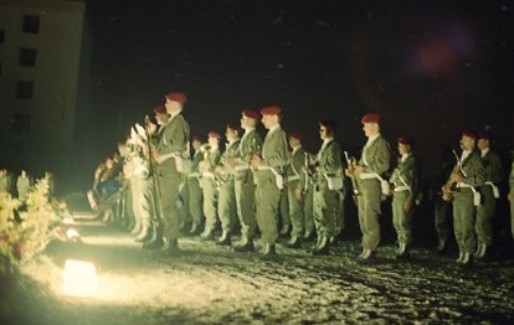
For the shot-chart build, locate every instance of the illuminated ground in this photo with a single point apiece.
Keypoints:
(210, 284)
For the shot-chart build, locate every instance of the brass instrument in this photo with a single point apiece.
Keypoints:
(352, 163)
(451, 186)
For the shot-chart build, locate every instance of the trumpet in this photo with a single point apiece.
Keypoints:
(352, 163)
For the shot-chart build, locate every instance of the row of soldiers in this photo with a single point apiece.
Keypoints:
(248, 183)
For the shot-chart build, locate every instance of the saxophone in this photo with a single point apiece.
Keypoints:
(451, 186)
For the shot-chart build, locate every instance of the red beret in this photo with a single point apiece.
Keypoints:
(271, 110)
(485, 135)
(470, 134)
(234, 126)
(251, 114)
(161, 109)
(405, 140)
(214, 134)
(371, 118)
(296, 134)
(197, 138)
(176, 97)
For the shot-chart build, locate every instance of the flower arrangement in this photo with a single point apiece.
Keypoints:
(27, 227)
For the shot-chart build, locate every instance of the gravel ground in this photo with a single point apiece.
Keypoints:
(209, 284)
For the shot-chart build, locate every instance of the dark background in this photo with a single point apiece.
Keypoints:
(430, 68)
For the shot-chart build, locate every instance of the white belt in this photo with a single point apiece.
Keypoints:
(293, 178)
(401, 188)
(208, 175)
(369, 176)
(241, 168)
(163, 158)
(476, 194)
(496, 190)
(279, 180)
(196, 175)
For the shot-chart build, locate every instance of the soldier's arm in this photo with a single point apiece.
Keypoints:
(496, 169)
(475, 175)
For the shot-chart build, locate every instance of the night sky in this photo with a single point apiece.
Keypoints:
(430, 68)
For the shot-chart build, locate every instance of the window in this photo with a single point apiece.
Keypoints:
(25, 89)
(21, 123)
(31, 24)
(2, 36)
(28, 57)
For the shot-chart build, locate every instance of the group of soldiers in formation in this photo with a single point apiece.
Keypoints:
(273, 186)
(19, 186)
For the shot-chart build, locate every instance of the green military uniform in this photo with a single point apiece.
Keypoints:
(326, 199)
(210, 191)
(295, 182)
(195, 191)
(226, 192)
(376, 160)
(171, 146)
(465, 202)
(404, 182)
(283, 208)
(308, 201)
(250, 144)
(268, 177)
(490, 192)
(442, 207)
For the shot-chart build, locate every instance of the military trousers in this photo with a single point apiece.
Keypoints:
(227, 205)
(210, 203)
(295, 210)
(441, 218)
(368, 204)
(325, 209)
(195, 200)
(485, 213)
(308, 210)
(169, 184)
(464, 220)
(402, 220)
(245, 203)
(267, 198)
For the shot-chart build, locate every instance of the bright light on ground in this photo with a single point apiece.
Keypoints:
(80, 279)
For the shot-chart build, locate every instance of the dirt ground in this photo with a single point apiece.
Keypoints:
(209, 284)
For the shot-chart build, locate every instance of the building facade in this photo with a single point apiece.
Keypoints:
(41, 44)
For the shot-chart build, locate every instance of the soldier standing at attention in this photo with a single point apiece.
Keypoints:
(467, 175)
(208, 183)
(295, 186)
(490, 193)
(328, 181)
(194, 189)
(172, 146)
(269, 169)
(226, 193)
(374, 162)
(249, 145)
(404, 182)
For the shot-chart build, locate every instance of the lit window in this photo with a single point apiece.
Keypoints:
(21, 123)
(25, 89)
(31, 24)
(28, 57)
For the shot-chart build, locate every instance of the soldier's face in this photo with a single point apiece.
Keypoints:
(370, 129)
(467, 143)
(403, 148)
(172, 106)
(196, 144)
(230, 134)
(483, 144)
